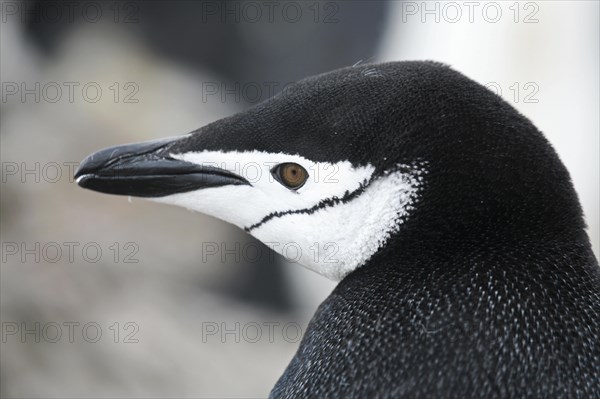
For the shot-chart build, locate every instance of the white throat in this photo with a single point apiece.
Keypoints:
(333, 241)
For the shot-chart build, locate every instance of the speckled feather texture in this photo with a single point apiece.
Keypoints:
(505, 323)
(488, 289)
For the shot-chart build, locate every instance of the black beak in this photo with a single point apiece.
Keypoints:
(147, 170)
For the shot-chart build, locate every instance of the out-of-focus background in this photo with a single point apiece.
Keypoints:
(105, 297)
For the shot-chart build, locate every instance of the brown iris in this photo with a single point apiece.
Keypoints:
(290, 174)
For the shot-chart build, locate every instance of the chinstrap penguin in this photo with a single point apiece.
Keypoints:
(464, 265)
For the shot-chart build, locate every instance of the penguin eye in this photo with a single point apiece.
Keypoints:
(290, 174)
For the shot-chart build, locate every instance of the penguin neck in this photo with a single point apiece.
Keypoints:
(462, 208)
(413, 257)
(417, 269)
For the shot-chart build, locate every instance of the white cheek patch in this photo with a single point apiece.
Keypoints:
(335, 240)
(333, 224)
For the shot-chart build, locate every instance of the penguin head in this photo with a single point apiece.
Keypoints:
(346, 163)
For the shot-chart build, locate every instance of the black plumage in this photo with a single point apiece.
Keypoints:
(490, 288)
